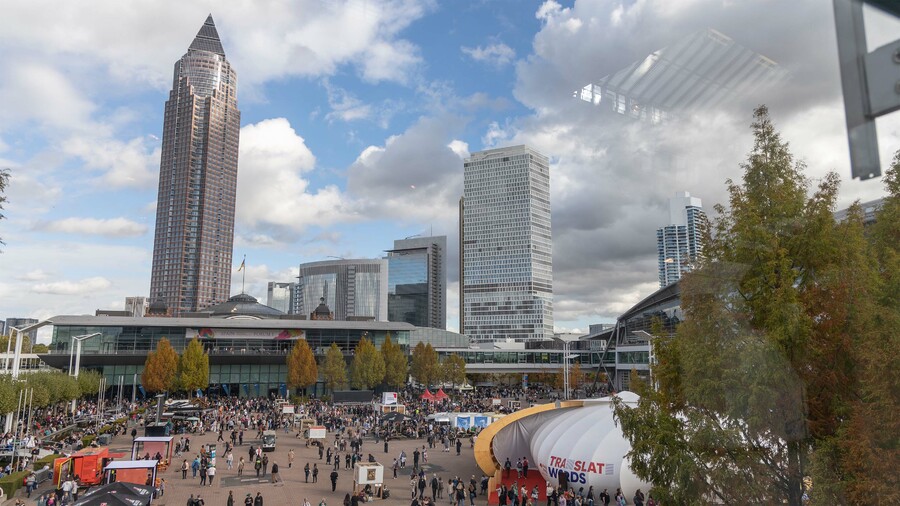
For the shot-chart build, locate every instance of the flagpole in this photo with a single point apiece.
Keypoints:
(244, 273)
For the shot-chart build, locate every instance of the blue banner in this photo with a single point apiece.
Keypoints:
(481, 421)
(283, 389)
(257, 389)
(462, 423)
(142, 391)
(227, 389)
(246, 389)
(199, 393)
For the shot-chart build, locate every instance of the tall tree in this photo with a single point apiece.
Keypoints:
(367, 369)
(730, 418)
(334, 368)
(453, 370)
(193, 367)
(301, 365)
(862, 459)
(5, 340)
(396, 367)
(160, 368)
(424, 366)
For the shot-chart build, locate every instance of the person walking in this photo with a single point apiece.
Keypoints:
(275, 476)
(203, 476)
(210, 474)
(241, 466)
(230, 501)
(229, 459)
(258, 500)
(458, 448)
(265, 464)
(291, 458)
(334, 479)
(525, 467)
(184, 468)
(434, 486)
(315, 472)
(306, 471)
(258, 466)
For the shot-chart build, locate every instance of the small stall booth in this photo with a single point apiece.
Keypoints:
(153, 447)
(368, 480)
(86, 464)
(138, 472)
(117, 494)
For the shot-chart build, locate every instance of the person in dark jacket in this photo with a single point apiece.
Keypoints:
(334, 478)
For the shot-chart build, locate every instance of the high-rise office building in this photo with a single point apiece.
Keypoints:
(278, 296)
(507, 248)
(352, 289)
(21, 323)
(193, 242)
(417, 281)
(137, 306)
(678, 243)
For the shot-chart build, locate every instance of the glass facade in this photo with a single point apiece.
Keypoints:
(352, 288)
(417, 280)
(278, 296)
(238, 366)
(507, 252)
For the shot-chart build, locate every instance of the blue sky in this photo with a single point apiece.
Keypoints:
(346, 106)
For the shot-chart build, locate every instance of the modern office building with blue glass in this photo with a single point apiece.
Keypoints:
(417, 281)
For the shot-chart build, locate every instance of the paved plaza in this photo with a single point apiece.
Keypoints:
(294, 489)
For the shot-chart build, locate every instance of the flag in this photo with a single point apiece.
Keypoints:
(242, 265)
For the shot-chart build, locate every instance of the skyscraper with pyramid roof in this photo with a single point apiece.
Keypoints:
(194, 236)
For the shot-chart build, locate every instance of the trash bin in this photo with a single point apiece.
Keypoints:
(104, 439)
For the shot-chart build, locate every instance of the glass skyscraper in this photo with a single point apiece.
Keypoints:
(678, 243)
(417, 281)
(278, 296)
(353, 289)
(193, 241)
(507, 248)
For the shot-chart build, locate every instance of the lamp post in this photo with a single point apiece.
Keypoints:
(78, 340)
(17, 357)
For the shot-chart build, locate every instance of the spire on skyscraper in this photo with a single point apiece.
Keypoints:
(207, 38)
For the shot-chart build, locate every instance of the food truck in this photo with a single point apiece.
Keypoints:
(87, 464)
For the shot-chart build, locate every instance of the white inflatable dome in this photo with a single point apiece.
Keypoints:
(587, 443)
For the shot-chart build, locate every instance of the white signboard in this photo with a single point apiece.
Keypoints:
(287, 409)
(389, 398)
(369, 473)
(276, 334)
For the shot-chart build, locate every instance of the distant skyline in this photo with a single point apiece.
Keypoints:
(356, 117)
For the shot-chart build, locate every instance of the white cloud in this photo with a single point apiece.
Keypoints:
(111, 227)
(460, 148)
(415, 176)
(72, 287)
(272, 192)
(35, 275)
(345, 106)
(497, 54)
(124, 164)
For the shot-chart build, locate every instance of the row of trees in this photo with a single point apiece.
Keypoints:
(164, 370)
(49, 387)
(27, 347)
(371, 367)
(785, 370)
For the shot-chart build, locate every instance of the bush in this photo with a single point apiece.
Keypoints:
(87, 440)
(13, 482)
(48, 461)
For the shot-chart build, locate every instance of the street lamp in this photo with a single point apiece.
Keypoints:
(17, 357)
(78, 340)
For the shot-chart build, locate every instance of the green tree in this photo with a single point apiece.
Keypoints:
(730, 418)
(453, 370)
(4, 340)
(301, 366)
(9, 394)
(89, 383)
(40, 348)
(160, 368)
(367, 369)
(396, 367)
(334, 368)
(193, 367)
(424, 366)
